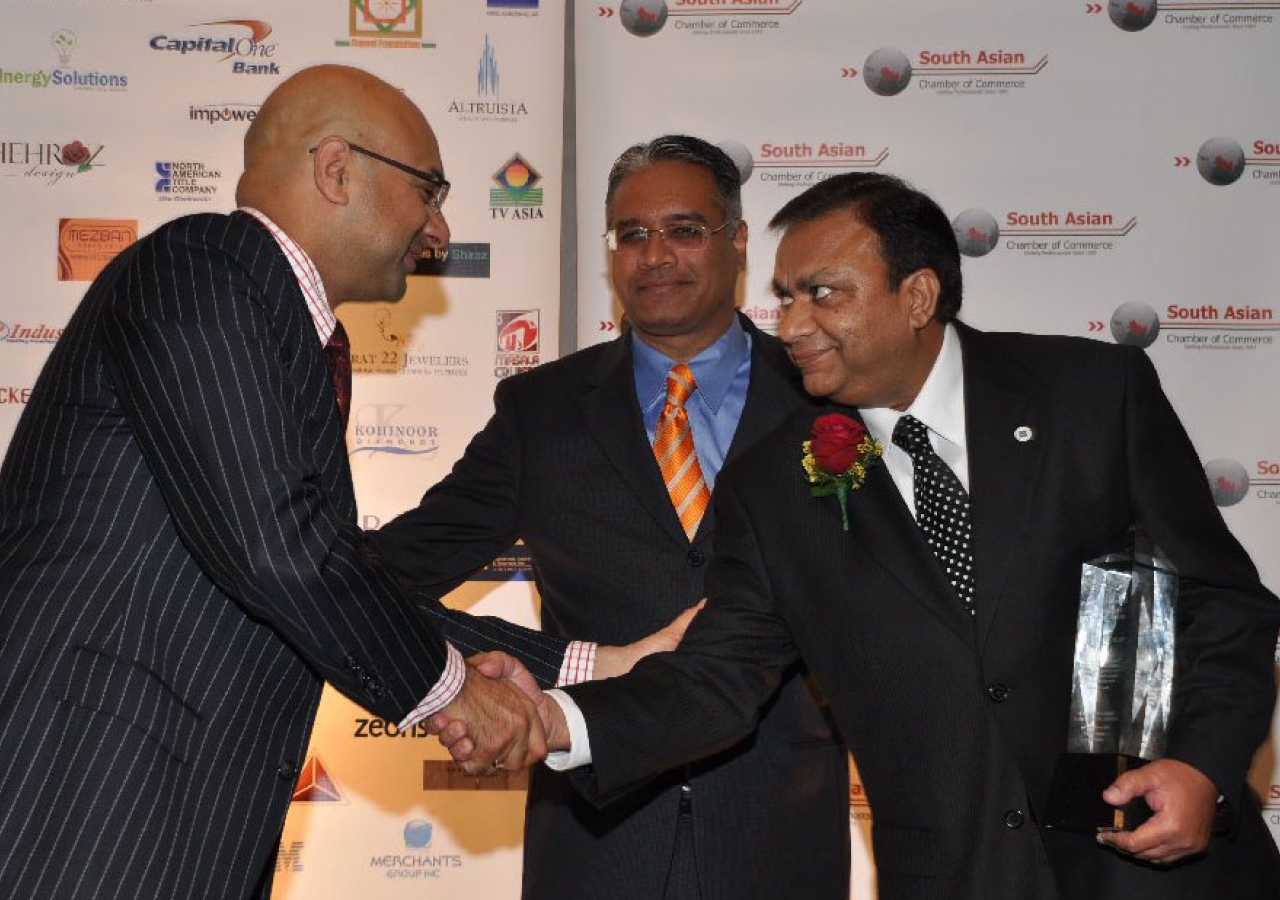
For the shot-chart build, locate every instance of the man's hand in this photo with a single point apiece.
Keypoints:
(1183, 800)
(611, 661)
(493, 723)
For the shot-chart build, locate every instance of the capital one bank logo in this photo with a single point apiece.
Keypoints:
(226, 40)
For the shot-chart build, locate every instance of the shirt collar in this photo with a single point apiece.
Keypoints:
(713, 369)
(940, 403)
(307, 274)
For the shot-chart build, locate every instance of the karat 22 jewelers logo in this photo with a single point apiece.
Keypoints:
(85, 246)
(398, 352)
(384, 25)
(1049, 232)
(518, 194)
(1137, 15)
(1221, 161)
(645, 18)
(1195, 326)
(519, 338)
(974, 70)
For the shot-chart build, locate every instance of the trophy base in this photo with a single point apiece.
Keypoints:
(1075, 798)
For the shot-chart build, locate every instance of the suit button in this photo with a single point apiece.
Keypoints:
(352, 665)
(998, 692)
(288, 769)
(373, 686)
(696, 558)
(1013, 818)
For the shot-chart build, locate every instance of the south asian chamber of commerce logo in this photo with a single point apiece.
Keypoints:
(240, 42)
(85, 246)
(1221, 161)
(1137, 15)
(974, 70)
(801, 163)
(489, 104)
(384, 25)
(1195, 326)
(1047, 232)
(1230, 482)
(186, 180)
(645, 18)
(518, 339)
(379, 429)
(64, 42)
(52, 162)
(411, 862)
(316, 785)
(518, 194)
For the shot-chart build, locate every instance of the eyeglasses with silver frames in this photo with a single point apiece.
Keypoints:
(682, 236)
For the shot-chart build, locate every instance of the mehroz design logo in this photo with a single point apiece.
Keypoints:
(645, 18)
(252, 55)
(1203, 326)
(1221, 161)
(518, 194)
(518, 341)
(384, 24)
(1048, 232)
(85, 246)
(47, 160)
(378, 428)
(888, 71)
(315, 785)
(1228, 481)
(800, 163)
(1136, 15)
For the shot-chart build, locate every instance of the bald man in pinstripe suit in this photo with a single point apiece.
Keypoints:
(180, 568)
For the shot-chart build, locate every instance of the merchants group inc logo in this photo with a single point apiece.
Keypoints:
(1239, 327)
(645, 18)
(384, 25)
(23, 333)
(49, 161)
(975, 70)
(518, 194)
(518, 341)
(490, 104)
(64, 42)
(801, 163)
(315, 784)
(1221, 161)
(242, 43)
(411, 861)
(380, 429)
(1138, 15)
(1046, 232)
(186, 180)
(85, 246)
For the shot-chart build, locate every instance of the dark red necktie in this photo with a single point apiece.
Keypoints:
(337, 353)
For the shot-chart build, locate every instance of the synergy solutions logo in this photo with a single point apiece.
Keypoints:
(1050, 232)
(48, 161)
(975, 70)
(227, 41)
(384, 25)
(64, 42)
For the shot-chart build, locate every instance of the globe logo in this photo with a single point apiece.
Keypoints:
(887, 71)
(1220, 161)
(741, 157)
(1228, 481)
(643, 18)
(1135, 325)
(417, 834)
(1132, 15)
(976, 232)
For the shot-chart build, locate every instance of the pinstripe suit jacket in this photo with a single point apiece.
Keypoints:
(180, 571)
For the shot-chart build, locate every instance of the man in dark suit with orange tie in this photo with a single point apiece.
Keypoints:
(180, 569)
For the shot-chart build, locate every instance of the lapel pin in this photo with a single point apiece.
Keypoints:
(1024, 433)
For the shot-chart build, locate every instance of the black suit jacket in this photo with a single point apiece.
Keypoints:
(956, 723)
(566, 465)
(180, 570)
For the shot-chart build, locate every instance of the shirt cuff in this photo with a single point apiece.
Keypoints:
(443, 693)
(579, 663)
(579, 752)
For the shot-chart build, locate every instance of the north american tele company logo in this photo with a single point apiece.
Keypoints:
(1195, 326)
(85, 246)
(240, 114)
(316, 785)
(411, 863)
(1137, 15)
(800, 163)
(518, 338)
(64, 42)
(1222, 161)
(383, 429)
(645, 18)
(518, 194)
(384, 25)
(23, 333)
(241, 42)
(489, 105)
(1047, 232)
(973, 70)
(49, 161)
(186, 180)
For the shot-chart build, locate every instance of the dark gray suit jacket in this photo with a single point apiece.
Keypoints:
(956, 723)
(180, 570)
(565, 464)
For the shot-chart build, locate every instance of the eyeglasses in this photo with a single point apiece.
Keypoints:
(438, 188)
(685, 236)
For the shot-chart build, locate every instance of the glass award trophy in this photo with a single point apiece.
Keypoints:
(1121, 685)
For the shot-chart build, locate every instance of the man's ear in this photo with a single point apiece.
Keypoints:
(922, 288)
(331, 170)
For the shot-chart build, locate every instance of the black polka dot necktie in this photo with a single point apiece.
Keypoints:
(942, 507)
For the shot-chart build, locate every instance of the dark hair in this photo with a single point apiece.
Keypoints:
(686, 149)
(913, 230)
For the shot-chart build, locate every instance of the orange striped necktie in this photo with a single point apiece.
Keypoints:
(677, 459)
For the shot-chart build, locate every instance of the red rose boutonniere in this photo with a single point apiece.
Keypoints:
(836, 458)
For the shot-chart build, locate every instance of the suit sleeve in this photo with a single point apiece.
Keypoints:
(192, 357)
(462, 524)
(675, 708)
(1224, 687)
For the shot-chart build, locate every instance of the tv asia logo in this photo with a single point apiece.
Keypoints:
(49, 161)
(186, 180)
(802, 163)
(384, 25)
(382, 429)
(1137, 15)
(1230, 482)
(489, 105)
(1047, 232)
(518, 194)
(412, 863)
(64, 42)
(21, 333)
(1203, 326)
(241, 42)
(85, 246)
(1221, 161)
(518, 338)
(974, 70)
(645, 18)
